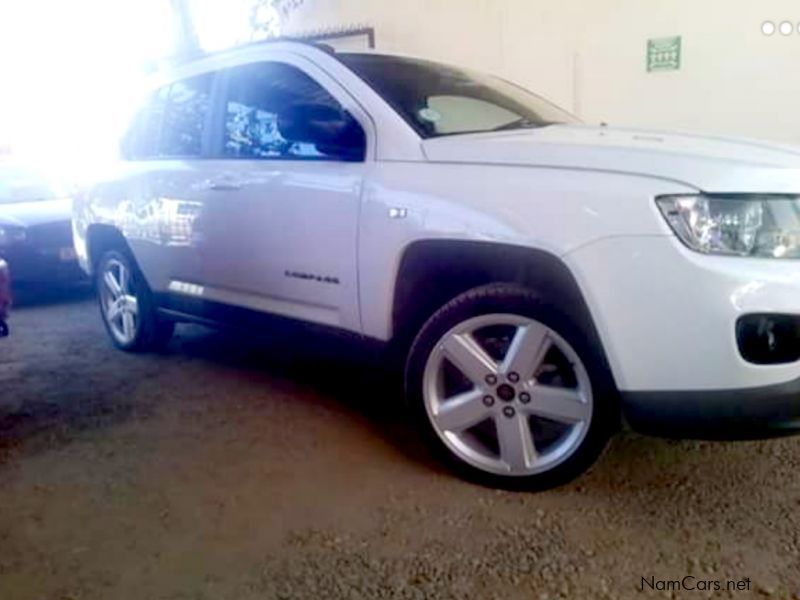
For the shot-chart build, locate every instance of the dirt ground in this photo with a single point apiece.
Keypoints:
(281, 467)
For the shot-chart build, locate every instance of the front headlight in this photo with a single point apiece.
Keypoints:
(738, 225)
(10, 234)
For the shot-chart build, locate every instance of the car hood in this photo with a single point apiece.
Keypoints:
(708, 163)
(35, 212)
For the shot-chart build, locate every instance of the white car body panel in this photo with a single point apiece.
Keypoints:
(665, 315)
(291, 219)
(509, 205)
(711, 164)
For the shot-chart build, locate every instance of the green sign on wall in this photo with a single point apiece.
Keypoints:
(664, 54)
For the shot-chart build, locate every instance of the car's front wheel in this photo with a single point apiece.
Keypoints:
(127, 307)
(509, 391)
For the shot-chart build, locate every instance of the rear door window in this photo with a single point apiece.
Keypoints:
(185, 115)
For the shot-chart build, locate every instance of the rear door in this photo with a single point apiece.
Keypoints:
(165, 177)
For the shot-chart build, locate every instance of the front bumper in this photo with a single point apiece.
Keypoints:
(47, 255)
(32, 264)
(667, 316)
(667, 320)
(742, 414)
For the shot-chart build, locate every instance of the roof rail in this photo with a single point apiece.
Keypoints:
(314, 40)
(200, 54)
(321, 35)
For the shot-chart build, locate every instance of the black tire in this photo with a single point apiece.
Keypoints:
(151, 332)
(516, 300)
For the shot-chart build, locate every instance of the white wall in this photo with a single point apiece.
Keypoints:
(589, 55)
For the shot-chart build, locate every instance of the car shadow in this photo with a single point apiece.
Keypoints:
(364, 380)
(356, 375)
(46, 422)
(51, 398)
(344, 370)
(648, 471)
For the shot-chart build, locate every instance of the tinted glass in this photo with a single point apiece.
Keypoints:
(186, 110)
(274, 110)
(439, 100)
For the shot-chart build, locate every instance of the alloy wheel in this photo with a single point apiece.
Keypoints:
(507, 394)
(118, 300)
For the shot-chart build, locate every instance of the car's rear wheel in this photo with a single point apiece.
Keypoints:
(509, 391)
(127, 306)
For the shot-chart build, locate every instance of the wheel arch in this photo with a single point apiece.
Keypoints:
(433, 272)
(100, 238)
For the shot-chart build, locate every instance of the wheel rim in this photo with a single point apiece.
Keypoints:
(507, 394)
(118, 301)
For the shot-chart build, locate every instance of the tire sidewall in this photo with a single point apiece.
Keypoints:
(512, 299)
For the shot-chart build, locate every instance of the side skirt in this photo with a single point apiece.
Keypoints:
(183, 309)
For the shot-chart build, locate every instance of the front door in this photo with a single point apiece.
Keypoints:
(280, 196)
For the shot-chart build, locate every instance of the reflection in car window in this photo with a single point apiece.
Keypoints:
(441, 100)
(141, 139)
(269, 112)
(184, 117)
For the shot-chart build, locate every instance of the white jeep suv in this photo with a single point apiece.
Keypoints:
(547, 280)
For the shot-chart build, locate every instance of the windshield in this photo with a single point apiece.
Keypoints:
(23, 184)
(438, 100)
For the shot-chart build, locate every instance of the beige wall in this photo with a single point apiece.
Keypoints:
(589, 56)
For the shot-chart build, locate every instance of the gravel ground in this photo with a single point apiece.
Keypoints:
(282, 468)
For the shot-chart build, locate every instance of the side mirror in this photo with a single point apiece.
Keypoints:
(335, 133)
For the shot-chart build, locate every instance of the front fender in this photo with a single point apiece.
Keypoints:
(552, 210)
